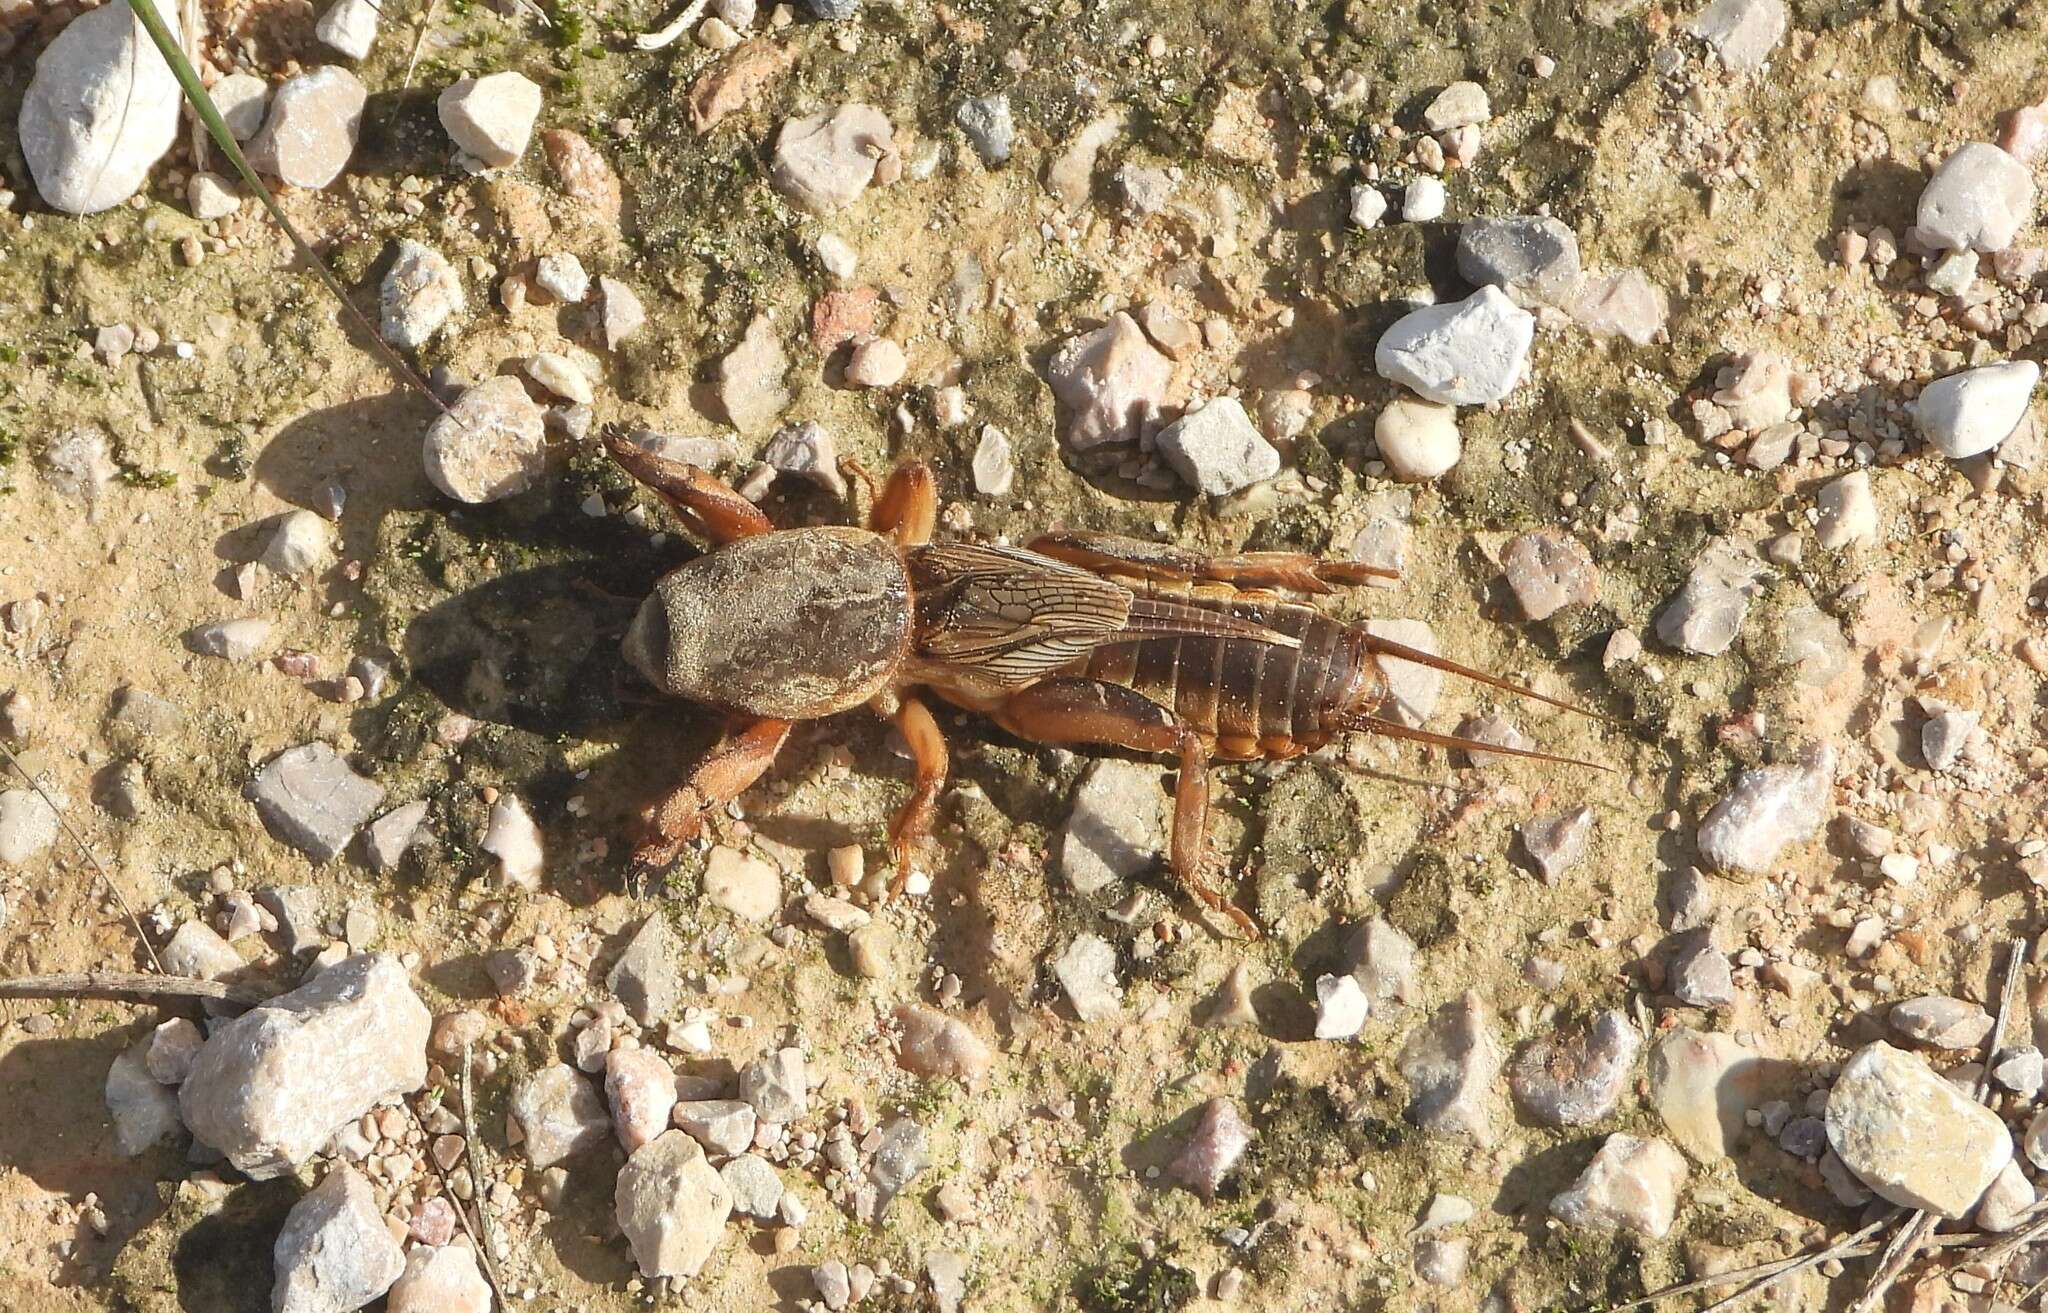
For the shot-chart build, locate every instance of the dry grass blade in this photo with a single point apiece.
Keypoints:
(217, 128)
(1761, 1274)
(125, 984)
(476, 1181)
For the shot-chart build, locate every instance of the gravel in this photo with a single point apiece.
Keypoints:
(1557, 842)
(994, 465)
(1467, 353)
(311, 798)
(1086, 972)
(1977, 200)
(1706, 614)
(28, 826)
(1341, 1007)
(300, 542)
(1212, 1151)
(777, 1085)
(640, 1087)
(243, 100)
(232, 640)
(1112, 384)
(420, 294)
(1769, 809)
(1452, 1062)
(902, 1152)
(672, 1206)
(1217, 450)
(934, 1044)
(723, 1126)
(755, 1188)
(491, 445)
(490, 118)
(1547, 571)
(749, 381)
(349, 27)
(144, 1109)
(1742, 32)
(1418, 440)
(1969, 413)
(1117, 828)
(334, 1254)
(1939, 1022)
(1458, 105)
(1848, 511)
(646, 977)
(989, 127)
(1531, 256)
(269, 1087)
(1575, 1076)
(101, 109)
(622, 313)
(824, 161)
(1632, 1184)
(391, 835)
(559, 1115)
(1912, 1136)
(1697, 971)
(743, 884)
(443, 1279)
(310, 131)
(1412, 690)
(1702, 1084)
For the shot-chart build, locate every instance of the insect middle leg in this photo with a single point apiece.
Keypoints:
(914, 822)
(703, 501)
(1076, 710)
(1299, 572)
(732, 766)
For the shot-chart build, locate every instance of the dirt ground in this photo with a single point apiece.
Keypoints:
(1728, 191)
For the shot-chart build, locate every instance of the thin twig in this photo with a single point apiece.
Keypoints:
(1798, 1264)
(476, 1180)
(670, 33)
(461, 1214)
(426, 26)
(92, 861)
(126, 985)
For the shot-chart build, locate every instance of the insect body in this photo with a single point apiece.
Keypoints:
(1084, 640)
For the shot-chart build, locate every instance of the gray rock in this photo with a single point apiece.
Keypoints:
(491, 445)
(1117, 829)
(2020, 1069)
(749, 380)
(647, 978)
(101, 109)
(1382, 959)
(391, 835)
(777, 1084)
(560, 1115)
(1459, 105)
(1527, 253)
(1443, 1260)
(1702, 1084)
(1769, 809)
(297, 909)
(299, 543)
(232, 640)
(1942, 1023)
(723, 1126)
(824, 161)
(348, 27)
(1631, 1184)
(672, 1206)
(1574, 1076)
(622, 311)
(242, 99)
(311, 129)
(28, 826)
(1742, 32)
(1086, 972)
(195, 950)
(934, 1044)
(1977, 200)
(900, 1155)
(1144, 189)
(1112, 384)
(139, 716)
(513, 971)
(334, 1254)
(78, 463)
(441, 1279)
(310, 798)
(947, 1273)
(989, 127)
(1341, 1007)
(832, 11)
(1944, 736)
(1620, 304)
(420, 293)
(640, 1087)
(1217, 450)
(562, 276)
(1548, 571)
(2005, 1204)
(807, 451)
(831, 1280)
(1698, 973)
(144, 1109)
(1971, 412)
(1557, 842)
(172, 1047)
(1412, 689)
(995, 464)
(1212, 1151)
(1804, 1137)
(1464, 353)
(1452, 1062)
(1707, 612)
(1912, 1136)
(492, 117)
(269, 1087)
(756, 1189)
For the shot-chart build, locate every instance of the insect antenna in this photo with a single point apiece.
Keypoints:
(1403, 652)
(1395, 730)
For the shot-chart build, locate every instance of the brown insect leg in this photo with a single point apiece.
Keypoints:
(1296, 571)
(698, 497)
(719, 778)
(1073, 710)
(914, 822)
(908, 509)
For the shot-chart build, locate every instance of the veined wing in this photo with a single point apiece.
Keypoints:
(1015, 616)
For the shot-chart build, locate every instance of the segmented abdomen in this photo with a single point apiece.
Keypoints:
(1252, 699)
